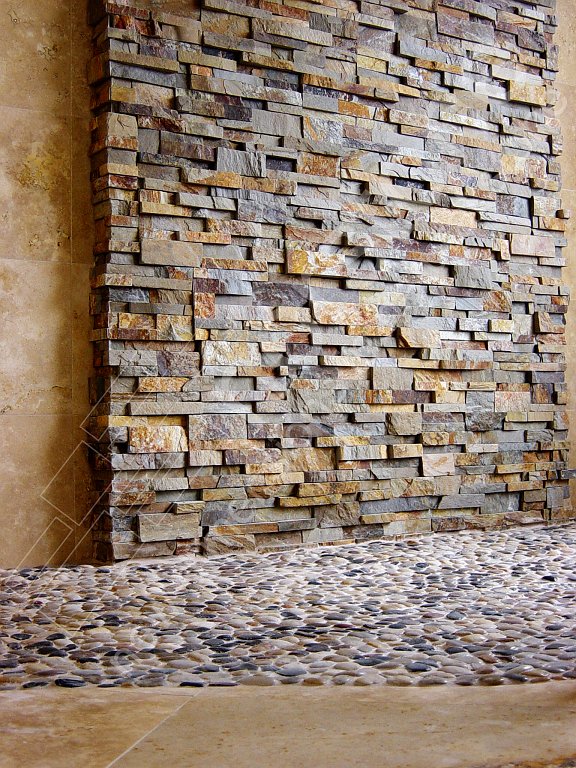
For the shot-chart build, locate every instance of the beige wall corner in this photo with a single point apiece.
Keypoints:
(566, 112)
(45, 253)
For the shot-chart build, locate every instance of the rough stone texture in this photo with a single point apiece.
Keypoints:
(486, 608)
(313, 220)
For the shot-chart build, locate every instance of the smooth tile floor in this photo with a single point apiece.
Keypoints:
(290, 726)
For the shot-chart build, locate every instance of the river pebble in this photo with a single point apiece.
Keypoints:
(473, 608)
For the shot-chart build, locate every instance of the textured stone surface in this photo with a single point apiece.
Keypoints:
(471, 608)
(157, 440)
(329, 249)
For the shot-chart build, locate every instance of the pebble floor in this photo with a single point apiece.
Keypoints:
(471, 608)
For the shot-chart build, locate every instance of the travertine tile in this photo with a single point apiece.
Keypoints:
(36, 346)
(80, 35)
(346, 727)
(54, 729)
(34, 186)
(37, 496)
(565, 111)
(85, 494)
(81, 215)
(464, 727)
(566, 39)
(35, 56)
(45, 355)
(80, 338)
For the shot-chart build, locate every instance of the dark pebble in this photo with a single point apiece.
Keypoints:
(69, 682)
(223, 684)
(371, 661)
(516, 677)
(418, 666)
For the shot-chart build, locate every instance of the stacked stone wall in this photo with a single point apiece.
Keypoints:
(328, 302)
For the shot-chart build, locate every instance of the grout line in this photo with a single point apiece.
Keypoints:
(70, 307)
(151, 731)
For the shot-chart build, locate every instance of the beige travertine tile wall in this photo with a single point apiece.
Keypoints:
(566, 111)
(45, 257)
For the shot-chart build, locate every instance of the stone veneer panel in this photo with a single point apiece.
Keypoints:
(328, 302)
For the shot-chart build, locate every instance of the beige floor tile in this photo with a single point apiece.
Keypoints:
(290, 727)
(72, 729)
(370, 728)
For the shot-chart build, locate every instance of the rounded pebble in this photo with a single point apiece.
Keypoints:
(474, 608)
